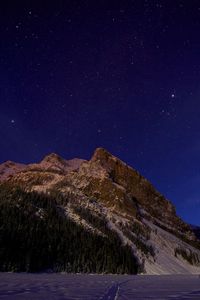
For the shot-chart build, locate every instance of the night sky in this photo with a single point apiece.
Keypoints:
(123, 75)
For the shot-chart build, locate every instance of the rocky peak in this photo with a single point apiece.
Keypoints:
(128, 185)
(116, 169)
(9, 163)
(9, 168)
(106, 160)
(55, 163)
(101, 154)
(53, 158)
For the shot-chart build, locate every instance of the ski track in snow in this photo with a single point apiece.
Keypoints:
(22, 286)
(112, 293)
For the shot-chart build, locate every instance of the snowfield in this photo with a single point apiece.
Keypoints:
(92, 287)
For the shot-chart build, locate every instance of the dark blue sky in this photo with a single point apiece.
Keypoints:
(124, 75)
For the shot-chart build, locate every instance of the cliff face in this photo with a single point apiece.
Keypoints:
(107, 189)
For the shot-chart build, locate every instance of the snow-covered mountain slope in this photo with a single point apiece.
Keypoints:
(104, 190)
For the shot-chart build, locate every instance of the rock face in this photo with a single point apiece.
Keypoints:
(55, 163)
(106, 188)
(10, 168)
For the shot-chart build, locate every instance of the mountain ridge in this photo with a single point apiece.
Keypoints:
(105, 189)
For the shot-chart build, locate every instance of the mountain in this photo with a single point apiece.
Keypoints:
(196, 230)
(10, 168)
(98, 215)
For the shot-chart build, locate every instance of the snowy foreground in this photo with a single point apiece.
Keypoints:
(113, 287)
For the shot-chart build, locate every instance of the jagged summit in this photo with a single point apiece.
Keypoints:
(112, 164)
(57, 163)
(53, 158)
(100, 153)
(9, 163)
(104, 156)
(8, 168)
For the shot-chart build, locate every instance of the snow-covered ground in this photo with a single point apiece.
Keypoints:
(92, 287)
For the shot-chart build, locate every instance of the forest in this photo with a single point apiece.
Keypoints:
(37, 236)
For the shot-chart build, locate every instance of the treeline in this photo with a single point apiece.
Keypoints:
(35, 235)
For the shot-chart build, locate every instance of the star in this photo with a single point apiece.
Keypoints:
(173, 95)
(162, 111)
(12, 121)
